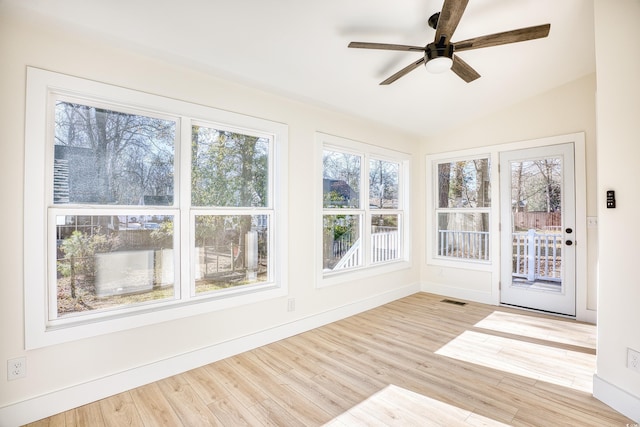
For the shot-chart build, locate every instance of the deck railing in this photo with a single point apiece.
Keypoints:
(385, 246)
(536, 256)
(472, 245)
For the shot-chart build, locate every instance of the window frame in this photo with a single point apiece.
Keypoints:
(433, 209)
(39, 210)
(366, 152)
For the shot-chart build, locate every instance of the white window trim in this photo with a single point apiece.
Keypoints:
(368, 152)
(38, 331)
(432, 211)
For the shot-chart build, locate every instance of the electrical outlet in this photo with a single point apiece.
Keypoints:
(16, 368)
(633, 360)
(291, 304)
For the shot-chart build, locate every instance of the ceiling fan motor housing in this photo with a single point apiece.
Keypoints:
(436, 50)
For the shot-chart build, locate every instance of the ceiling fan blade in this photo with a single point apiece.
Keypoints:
(464, 70)
(450, 15)
(513, 36)
(386, 46)
(404, 71)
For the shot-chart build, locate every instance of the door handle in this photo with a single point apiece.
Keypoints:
(569, 242)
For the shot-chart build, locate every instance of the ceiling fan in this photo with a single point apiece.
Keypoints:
(439, 56)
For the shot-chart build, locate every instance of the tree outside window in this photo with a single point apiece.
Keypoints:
(230, 170)
(462, 212)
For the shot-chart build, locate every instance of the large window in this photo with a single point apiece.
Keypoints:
(463, 202)
(363, 206)
(144, 209)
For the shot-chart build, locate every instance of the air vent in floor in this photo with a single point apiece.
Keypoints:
(450, 301)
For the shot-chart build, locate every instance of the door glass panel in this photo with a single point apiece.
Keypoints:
(536, 211)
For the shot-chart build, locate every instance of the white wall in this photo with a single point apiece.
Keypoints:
(618, 111)
(112, 359)
(564, 110)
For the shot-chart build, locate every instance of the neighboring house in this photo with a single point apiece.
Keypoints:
(74, 180)
(341, 193)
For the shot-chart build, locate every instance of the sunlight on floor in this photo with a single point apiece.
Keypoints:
(503, 341)
(556, 330)
(396, 406)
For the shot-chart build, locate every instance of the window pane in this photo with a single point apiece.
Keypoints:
(383, 184)
(108, 157)
(341, 242)
(341, 180)
(106, 262)
(464, 184)
(229, 169)
(464, 235)
(231, 251)
(385, 239)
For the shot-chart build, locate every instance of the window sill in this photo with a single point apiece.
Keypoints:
(86, 328)
(336, 278)
(466, 264)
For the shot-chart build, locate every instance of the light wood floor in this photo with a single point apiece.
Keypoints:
(417, 361)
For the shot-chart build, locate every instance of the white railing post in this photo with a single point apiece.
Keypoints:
(531, 255)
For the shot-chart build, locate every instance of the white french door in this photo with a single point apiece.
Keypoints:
(538, 223)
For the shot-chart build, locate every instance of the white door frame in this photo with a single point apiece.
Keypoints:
(559, 302)
(578, 139)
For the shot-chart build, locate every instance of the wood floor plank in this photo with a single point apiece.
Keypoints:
(120, 411)
(272, 365)
(89, 415)
(289, 352)
(153, 407)
(206, 385)
(299, 406)
(415, 361)
(58, 420)
(186, 403)
(236, 384)
(315, 392)
(70, 418)
(269, 413)
(230, 412)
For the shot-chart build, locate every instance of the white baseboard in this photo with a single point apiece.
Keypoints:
(43, 406)
(623, 402)
(586, 315)
(453, 292)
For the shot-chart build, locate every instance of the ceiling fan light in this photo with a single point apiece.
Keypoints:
(439, 64)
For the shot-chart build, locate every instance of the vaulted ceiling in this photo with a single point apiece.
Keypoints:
(298, 48)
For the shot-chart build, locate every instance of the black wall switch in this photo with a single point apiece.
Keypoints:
(611, 199)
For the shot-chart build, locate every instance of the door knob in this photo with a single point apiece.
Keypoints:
(569, 242)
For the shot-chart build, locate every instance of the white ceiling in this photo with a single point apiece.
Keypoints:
(299, 49)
